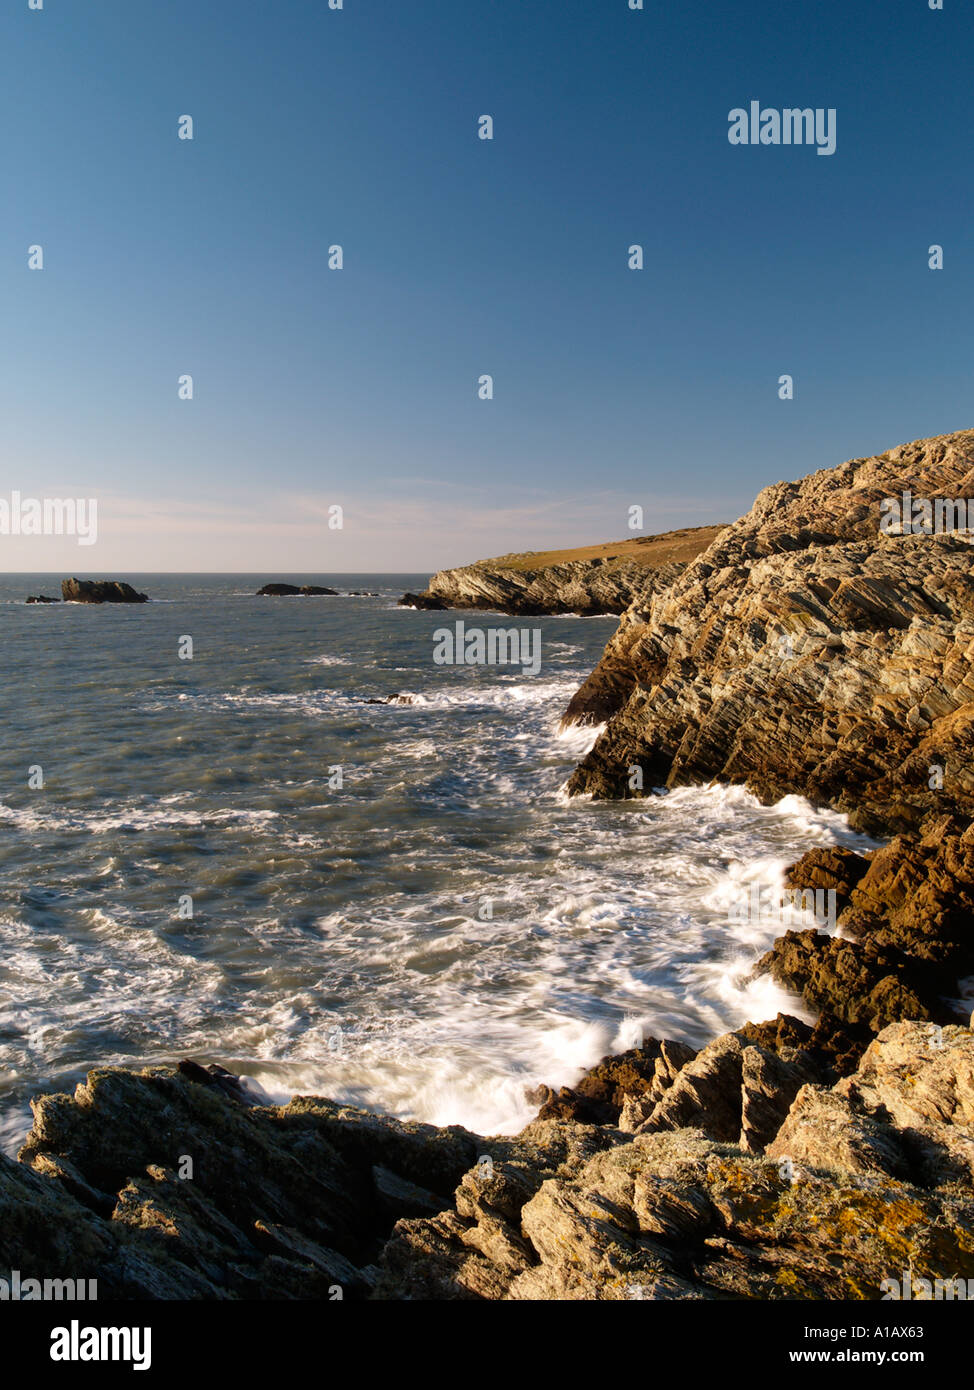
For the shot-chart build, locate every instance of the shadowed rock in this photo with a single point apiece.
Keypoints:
(175, 1184)
(100, 591)
(292, 590)
(906, 932)
(409, 600)
(600, 1096)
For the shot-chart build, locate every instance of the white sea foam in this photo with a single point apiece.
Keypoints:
(469, 933)
(155, 817)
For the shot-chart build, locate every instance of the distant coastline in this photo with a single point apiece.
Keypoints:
(603, 579)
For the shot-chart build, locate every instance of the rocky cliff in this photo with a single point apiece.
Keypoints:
(815, 649)
(806, 650)
(595, 579)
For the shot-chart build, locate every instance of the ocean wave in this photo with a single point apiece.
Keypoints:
(470, 932)
(157, 817)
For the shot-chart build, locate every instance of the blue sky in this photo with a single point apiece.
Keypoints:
(462, 257)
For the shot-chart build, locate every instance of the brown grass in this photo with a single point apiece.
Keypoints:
(651, 551)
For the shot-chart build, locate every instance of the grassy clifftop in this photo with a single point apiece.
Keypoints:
(588, 580)
(671, 547)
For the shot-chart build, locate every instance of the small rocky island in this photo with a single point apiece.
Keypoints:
(291, 590)
(98, 591)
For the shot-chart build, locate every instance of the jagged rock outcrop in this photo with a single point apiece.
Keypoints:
(607, 689)
(908, 1111)
(807, 651)
(596, 579)
(732, 1092)
(810, 650)
(605, 1090)
(733, 1089)
(179, 1183)
(584, 587)
(100, 591)
(859, 1182)
(174, 1183)
(424, 600)
(478, 1246)
(906, 930)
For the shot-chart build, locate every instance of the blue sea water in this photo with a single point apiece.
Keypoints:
(433, 937)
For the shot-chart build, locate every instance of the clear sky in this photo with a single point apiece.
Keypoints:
(359, 127)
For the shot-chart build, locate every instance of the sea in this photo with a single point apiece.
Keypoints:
(297, 846)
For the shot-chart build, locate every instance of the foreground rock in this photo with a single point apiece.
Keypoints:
(289, 590)
(175, 1183)
(172, 1183)
(100, 591)
(861, 1182)
(42, 598)
(593, 580)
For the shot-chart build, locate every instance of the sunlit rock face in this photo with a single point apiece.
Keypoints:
(816, 647)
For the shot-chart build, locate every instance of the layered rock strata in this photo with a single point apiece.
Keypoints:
(594, 580)
(806, 650)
